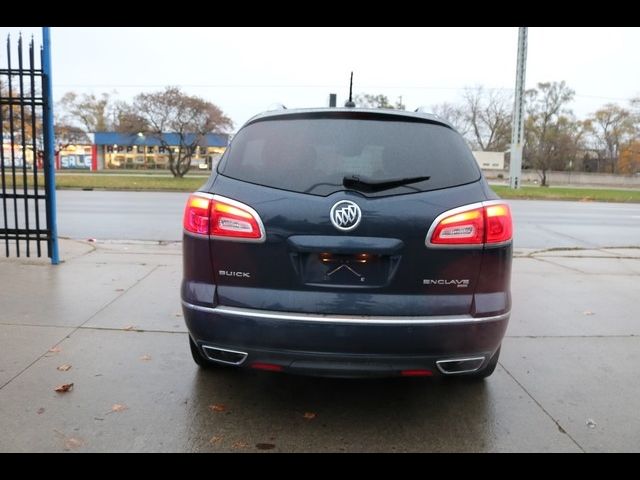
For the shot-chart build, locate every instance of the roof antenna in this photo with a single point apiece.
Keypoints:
(350, 103)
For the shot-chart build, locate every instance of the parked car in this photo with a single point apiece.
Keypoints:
(347, 242)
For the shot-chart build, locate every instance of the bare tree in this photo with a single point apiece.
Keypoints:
(367, 100)
(613, 128)
(551, 131)
(126, 119)
(189, 118)
(66, 135)
(18, 120)
(488, 113)
(65, 132)
(454, 114)
(87, 110)
(635, 108)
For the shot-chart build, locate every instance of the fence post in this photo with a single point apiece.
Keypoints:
(49, 153)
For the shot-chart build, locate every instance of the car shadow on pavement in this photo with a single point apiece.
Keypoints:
(296, 413)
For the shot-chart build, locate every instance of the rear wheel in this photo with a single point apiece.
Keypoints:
(491, 366)
(197, 355)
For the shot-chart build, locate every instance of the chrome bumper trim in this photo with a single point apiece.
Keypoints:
(348, 319)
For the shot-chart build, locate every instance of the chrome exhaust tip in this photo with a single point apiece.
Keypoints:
(224, 355)
(454, 366)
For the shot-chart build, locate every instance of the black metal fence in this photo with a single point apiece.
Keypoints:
(25, 169)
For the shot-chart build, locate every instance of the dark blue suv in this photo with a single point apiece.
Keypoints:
(347, 242)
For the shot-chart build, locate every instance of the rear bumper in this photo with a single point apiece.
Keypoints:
(346, 345)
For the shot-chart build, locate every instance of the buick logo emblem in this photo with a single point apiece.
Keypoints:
(345, 215)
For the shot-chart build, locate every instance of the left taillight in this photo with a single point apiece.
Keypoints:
(196, 214)
(222, 218)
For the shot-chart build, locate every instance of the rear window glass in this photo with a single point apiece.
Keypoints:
(313, 155)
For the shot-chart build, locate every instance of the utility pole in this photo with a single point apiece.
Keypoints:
(517, 132)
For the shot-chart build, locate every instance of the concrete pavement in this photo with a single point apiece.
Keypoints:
(567, 378)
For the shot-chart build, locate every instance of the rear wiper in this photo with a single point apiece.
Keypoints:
(370, 185)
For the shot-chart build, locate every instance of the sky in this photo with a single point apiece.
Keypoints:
(248, 70)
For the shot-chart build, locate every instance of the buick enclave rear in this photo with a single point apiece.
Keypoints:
(347, 242)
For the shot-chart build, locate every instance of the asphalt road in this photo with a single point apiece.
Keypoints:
(158, 216)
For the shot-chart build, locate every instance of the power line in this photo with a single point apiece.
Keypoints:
(423, 87)
(603, 98)
(362, 87)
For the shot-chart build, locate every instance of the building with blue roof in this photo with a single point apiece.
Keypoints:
(114, 150)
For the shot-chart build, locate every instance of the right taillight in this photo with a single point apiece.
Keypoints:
(477, 224)
(222, 218)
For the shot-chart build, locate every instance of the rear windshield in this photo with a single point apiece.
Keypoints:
(313, 155)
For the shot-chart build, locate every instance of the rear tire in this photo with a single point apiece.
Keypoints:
(198, 357)
(491, 366)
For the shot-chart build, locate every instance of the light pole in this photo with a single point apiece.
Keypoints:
(517, 132)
